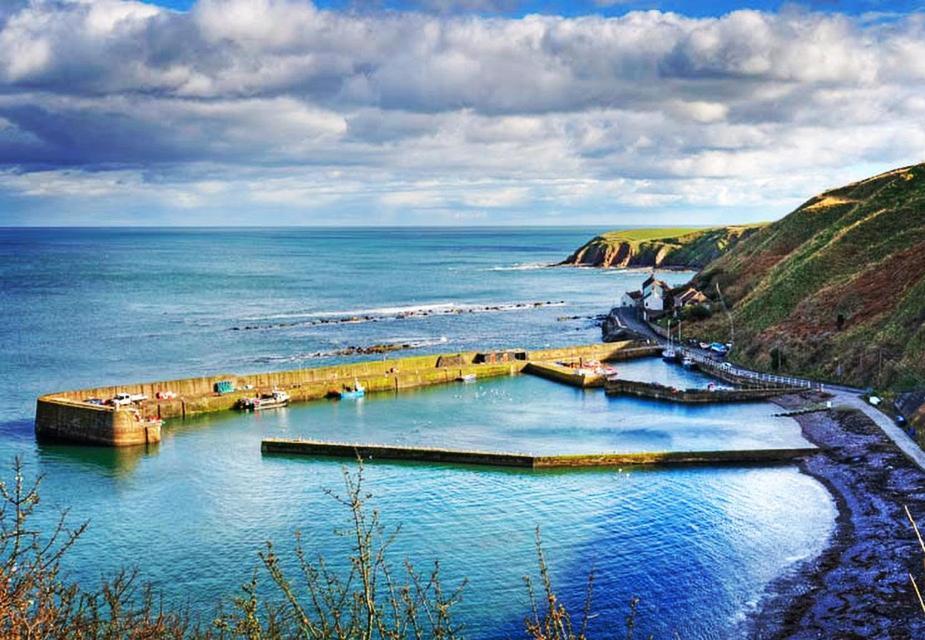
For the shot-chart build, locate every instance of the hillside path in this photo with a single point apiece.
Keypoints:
(899, 437)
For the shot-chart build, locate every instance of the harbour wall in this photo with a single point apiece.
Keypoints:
(565, 375)
(692, 396)
(62, 419)
(315, 448)
(66, 415)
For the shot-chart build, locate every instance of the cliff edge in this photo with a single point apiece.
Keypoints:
(664, 247)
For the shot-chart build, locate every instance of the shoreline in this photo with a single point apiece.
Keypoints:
(858, 587)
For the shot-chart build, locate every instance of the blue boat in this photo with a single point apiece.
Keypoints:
(358, 391)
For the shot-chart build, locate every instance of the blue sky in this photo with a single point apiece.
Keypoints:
(448, 112)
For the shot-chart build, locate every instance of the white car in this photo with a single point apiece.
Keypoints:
(125, 399)
(121, 400)
(726, 366)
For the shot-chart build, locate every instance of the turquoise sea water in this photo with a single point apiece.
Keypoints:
(81, 307)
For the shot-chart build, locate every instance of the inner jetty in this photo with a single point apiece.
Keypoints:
(316, 448)
(83, 415)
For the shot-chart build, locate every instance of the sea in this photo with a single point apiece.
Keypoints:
(95, 306)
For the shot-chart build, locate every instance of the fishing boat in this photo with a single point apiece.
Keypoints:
(668, 353)
(357, 391)
(274, 400)
(688, 362)
(469, 377)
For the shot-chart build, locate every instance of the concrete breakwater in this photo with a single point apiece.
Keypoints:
(66, 415)
(315, 448)
(585, 377)
(693, 396)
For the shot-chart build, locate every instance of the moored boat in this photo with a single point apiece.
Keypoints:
(274, 400)
(469, 377)
(356, 391)
(668, 353)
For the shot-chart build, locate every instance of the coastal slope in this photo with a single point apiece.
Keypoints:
(835, 290)
(665, 247)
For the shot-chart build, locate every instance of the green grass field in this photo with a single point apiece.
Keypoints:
(638, 235)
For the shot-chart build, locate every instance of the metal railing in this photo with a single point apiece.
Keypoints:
(746, 374)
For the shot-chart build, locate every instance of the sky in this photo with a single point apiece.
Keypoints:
(449, 112)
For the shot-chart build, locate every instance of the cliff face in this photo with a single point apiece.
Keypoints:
(658, 247)
(836, 289)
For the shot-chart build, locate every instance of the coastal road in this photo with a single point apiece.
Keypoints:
(631, 320)
(899, 437)
(843, 395)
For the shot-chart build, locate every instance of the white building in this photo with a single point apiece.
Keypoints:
(655, 294)
(630, 299)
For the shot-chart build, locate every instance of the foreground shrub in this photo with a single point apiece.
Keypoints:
(362, 598)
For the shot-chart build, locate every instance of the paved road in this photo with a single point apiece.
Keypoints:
(631, 319)
(902, 440)
(844, 395)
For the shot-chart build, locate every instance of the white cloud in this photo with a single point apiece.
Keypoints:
(279, 102)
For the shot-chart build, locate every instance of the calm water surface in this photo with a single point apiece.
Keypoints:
(102, 306)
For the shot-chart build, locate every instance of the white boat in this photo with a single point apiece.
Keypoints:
(469, 377)
(687, 361)
(274, 400)
(668, 353)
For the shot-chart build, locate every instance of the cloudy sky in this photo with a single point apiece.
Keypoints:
(565, 112)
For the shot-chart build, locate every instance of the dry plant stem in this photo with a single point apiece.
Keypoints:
(917, 592)
(918, 535)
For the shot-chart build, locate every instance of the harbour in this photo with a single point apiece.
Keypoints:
(70, 416)
(225, 498)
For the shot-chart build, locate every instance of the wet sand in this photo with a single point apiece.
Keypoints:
(859, 587)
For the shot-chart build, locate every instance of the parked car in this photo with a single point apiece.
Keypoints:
(165, 395)
(726, 366)
(718, 347)
(125, 399)
(96, 401)
(121, 400)
(704, 345)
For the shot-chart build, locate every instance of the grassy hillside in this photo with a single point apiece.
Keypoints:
(836, 289)
(664, 247)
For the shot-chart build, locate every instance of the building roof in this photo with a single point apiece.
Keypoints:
(690, 295)
(635, 295)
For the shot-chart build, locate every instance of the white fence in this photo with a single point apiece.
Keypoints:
(732, 371)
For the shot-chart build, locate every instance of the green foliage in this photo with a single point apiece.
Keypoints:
(698, 312)
(839, 285)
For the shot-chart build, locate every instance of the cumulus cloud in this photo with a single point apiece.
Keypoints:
(647, 110)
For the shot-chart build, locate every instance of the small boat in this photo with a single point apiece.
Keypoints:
(687, 361)
(357, 391)
(469, 377)
(274, 400)
(668, 353)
